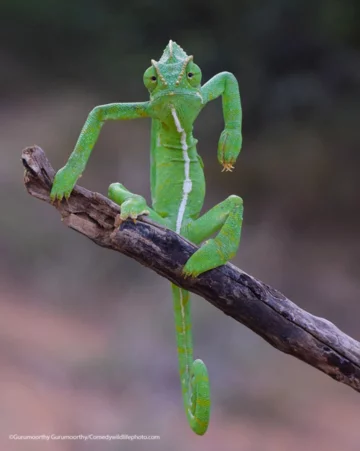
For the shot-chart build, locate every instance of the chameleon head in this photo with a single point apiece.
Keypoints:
(174, 74)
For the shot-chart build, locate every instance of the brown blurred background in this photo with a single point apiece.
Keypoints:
(87, 340)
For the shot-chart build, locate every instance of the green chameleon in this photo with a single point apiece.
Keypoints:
(177, 187)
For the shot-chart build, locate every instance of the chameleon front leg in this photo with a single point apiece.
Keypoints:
(67, 176)
(230, 142)
(132, 205)
(226, 218)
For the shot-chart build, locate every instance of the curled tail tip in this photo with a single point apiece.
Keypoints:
(199, 413)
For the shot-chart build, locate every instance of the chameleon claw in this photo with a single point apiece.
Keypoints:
(187, 274)
(118, 221)
(227, 167)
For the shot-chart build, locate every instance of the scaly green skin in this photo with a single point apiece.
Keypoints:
(177, 187)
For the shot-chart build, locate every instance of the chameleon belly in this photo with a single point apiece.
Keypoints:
(180, 183)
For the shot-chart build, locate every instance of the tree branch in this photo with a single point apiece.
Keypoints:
(258, 306)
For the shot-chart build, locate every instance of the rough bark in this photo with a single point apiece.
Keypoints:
(258, 306)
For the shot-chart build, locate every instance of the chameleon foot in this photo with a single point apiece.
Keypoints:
(132, 205)
(63, 184)
(227, 167)
(133, 208)
(209, 256)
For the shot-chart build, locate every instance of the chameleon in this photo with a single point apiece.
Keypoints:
(177, 188)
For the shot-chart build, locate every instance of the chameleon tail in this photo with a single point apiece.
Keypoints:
(155, 125)
(193, 374)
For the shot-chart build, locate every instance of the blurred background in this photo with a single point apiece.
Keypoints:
(86, 335)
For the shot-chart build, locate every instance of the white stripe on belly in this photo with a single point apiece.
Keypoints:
(187, 185)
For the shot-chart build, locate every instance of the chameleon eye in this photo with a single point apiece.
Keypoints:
(150, 78)
(193, 74)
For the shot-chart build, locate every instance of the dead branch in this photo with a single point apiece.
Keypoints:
(258, 306)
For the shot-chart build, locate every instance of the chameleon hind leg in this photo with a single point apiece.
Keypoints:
(225, 218)
(194, 377)
(132, 205)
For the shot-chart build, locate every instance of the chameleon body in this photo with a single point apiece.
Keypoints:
(177, 187)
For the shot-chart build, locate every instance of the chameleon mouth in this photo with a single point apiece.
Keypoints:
(177, 92)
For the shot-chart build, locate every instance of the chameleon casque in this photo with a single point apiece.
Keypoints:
(177, 187)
